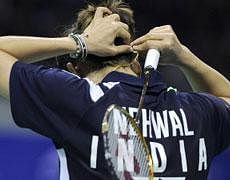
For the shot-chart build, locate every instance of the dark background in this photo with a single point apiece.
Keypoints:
(202, 25)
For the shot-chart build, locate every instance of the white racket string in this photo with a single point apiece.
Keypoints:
(120, 125)
(140, 154)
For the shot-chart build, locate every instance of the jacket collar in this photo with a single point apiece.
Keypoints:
(156, 83)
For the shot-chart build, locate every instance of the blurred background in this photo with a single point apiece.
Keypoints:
(201, 25)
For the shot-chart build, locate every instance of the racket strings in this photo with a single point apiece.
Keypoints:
(140, 153)
(113, 143)
(111, 138)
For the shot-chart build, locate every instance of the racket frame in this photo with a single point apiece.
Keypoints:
(105, 129)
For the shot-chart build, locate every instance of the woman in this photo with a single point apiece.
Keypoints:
(69, 109)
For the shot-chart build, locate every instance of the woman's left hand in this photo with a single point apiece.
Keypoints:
(163, 39)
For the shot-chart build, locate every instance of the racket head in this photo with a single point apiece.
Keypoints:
(126, 152)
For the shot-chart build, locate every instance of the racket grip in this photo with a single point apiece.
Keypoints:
(152, 59)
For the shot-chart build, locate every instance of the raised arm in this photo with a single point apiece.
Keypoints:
(202, 77)
(32, 49)
(101, 34)
(100, 40)
(6, 63)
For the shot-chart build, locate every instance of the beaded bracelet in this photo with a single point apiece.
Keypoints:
(82, 50)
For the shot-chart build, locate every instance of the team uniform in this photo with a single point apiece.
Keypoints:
(184, 131)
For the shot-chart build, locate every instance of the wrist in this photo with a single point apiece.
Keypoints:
(69, 44)
(185, 57)
(90, 46)
(81, 50)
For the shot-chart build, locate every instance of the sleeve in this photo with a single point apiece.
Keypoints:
(221, 117)
(48, 101)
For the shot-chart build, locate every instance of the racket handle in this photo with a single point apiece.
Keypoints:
(151, 62)
(152, 59)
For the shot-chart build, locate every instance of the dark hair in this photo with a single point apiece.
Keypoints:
(85, 17)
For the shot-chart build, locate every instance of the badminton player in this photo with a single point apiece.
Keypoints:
(184, 131)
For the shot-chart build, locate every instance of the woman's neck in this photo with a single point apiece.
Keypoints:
(98, 76)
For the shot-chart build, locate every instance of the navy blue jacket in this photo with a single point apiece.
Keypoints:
(184, 131)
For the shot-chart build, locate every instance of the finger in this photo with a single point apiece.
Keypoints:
(139, 40)
(164, 27)
(161, 36)
(124, 34)
(122, 49)
(148, 36)
(150, 44)
(123, 25)
(101, 11)
(71, 68)
(113, 17)
(159, 31)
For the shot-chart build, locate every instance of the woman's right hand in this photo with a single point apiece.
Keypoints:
(102, 32)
